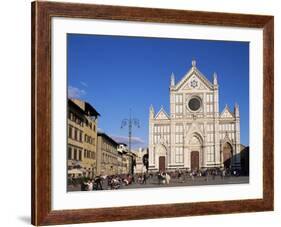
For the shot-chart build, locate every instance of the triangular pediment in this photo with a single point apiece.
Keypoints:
(226, 113)
(162, 115)
(195, 128)
(194, 80)
(225, 139)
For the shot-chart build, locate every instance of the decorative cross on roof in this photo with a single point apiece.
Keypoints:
(193, 63)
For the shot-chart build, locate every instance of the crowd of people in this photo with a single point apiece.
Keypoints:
(206, 174)
(161, 177)
(112, 181)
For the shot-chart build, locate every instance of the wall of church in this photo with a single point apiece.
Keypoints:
(179, 131)
(174, 134)
(229, 129)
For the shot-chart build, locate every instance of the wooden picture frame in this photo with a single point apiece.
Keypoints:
(42, 12)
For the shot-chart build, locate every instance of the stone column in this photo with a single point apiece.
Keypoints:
(172, 126)
(237, 136)
(216, 121)
(151, 160)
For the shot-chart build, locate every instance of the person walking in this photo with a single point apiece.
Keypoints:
(192, 175)
(144, 178)
(207, 175)
(98, 183)
(223, 174)
(159, 178)
(83, 186)
(89, 185)
(179, 176)
(213, 175)
(168, 178)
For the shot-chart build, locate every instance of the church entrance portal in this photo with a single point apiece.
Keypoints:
(194, 160)
(227, 155)
(162, 163)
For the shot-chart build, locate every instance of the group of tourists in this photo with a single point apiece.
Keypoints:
(116, 181)
(163, 178)
(92, 184)
(211, 173)
(160, 178)
(181, 176)
(112, 181)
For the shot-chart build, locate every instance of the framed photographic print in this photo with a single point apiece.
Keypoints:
(144, 113)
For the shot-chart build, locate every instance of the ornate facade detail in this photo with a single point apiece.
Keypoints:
(195, 133)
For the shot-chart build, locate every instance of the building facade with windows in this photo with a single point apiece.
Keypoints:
(195, 134)
(123, 150)
(107, 157)
(82, 138)
(128, 159)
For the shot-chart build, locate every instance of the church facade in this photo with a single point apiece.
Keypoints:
(195, 134)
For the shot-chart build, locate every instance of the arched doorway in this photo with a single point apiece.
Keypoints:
(227, 155)
(195, 148)
(162, 164)
(161, 157)
(194, 156)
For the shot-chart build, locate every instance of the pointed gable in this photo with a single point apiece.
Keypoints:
(226, 113)
(194, 79)
(195, 128)
(162, 115)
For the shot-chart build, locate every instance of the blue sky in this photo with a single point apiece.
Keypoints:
(116, 73)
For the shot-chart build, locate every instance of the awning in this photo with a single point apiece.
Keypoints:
(75, 171)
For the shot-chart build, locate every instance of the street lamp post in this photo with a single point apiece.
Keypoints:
(130, 122)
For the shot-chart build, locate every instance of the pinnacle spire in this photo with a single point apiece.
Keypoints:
(151, 108)
(193, 63)
(151, 111)
(215, 78)
(172, 79)
(236, 110)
